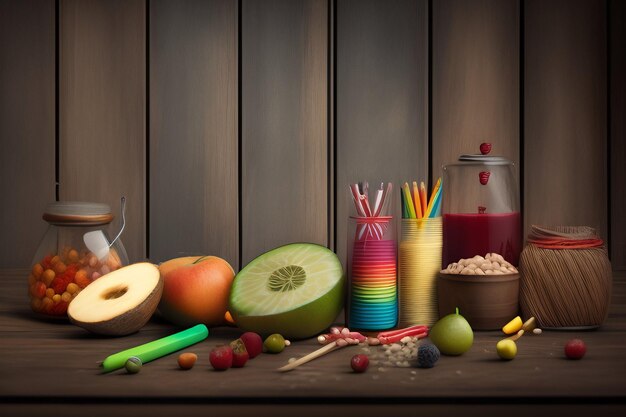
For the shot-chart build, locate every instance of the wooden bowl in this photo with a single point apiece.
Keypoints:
(487, 302)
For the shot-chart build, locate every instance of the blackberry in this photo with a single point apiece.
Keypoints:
(427, 356)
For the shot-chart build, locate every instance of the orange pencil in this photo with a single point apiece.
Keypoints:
(432, 196)
(423, 197)
(417, 201)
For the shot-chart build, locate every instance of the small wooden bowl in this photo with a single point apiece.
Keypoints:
(487, 302)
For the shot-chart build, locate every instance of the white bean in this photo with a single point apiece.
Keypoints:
(479, 271)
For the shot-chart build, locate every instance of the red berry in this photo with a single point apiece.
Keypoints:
(360, 363)
(485, 148)
(483, 176)
(39, 290)
(59, 285)
(221, 358)
(240, 354)
(575, 349)
(253, 342)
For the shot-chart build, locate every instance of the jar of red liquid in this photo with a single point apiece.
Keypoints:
(74, 252)
(481, 208)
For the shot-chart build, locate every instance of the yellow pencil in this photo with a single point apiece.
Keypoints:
(416, 201)
(423, 198)
(408, 200)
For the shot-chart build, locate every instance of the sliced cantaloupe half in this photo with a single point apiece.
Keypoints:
(119, 303)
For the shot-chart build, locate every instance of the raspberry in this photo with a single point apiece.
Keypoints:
(575, 349)
(360, 363)
(427, 356)
(221, 358)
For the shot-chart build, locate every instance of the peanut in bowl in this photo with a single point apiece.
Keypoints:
(487, 297)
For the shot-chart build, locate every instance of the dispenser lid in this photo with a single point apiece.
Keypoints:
(484, 157)
(77, 213)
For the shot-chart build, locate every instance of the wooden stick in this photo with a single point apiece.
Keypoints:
(516, 335)
(313, 355)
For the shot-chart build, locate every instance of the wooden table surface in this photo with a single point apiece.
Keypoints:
(56, 363)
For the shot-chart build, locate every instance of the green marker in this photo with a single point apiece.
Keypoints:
(157, 349)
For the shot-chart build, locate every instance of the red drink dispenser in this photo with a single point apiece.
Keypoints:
(481, 208)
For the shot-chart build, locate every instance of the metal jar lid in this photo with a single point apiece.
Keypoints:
(77, 213)
(484, 157)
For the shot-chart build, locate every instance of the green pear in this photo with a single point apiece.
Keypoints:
(452, 334)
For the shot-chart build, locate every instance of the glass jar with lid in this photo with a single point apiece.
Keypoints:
(481, 208)
(74, 251)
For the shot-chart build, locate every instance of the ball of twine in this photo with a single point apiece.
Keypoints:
(565, 287)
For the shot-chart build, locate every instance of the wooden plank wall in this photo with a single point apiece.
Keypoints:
(27, 153)
(150, 106)
(102, 109)
(475, 79)
(193, 129)
(617, 126)
(565, 122)
(382, 98)
(284, 124)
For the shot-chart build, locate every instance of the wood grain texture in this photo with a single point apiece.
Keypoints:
(102, 109)
(284, 122)
(618, 132)
(565, 114)
(382, 98)
(35, 350)
(193, 129)
(475, 79)
(27, 155)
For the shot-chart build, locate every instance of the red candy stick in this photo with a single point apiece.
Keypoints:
(394, 336)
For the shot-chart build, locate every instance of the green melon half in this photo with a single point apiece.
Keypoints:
(296, 290)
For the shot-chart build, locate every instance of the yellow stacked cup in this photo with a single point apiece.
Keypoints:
(419, 263)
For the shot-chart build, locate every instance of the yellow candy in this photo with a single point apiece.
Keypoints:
(513, 326)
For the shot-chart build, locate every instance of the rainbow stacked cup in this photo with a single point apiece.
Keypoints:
(372, 270)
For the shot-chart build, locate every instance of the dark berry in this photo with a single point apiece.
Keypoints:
(253, 342)
(427, 356)
(575, 349)
(360, 363)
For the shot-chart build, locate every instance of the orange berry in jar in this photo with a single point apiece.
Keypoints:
(66, 296)
(72, 255)
(55, 259)
(93, 261)
(56, 299)
(59, 267)
(46, 303)
(72, 288)
(81, 278)
(50, 293)
(47, 276)
(31, 279)
(37, 270)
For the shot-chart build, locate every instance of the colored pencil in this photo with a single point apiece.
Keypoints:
(417, 202)
(434, 192)
(408, 201)
(423, 198)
